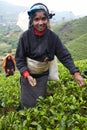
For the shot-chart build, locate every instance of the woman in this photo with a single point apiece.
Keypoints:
(8, 65)
(40, 44)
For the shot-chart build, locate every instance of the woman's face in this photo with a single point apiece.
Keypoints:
(40, 21)
(9, 57)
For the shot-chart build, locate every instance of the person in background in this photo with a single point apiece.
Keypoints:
(8, 65)
(40, 44)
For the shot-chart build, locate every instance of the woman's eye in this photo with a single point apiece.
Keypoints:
(36, 19)
(44, 18)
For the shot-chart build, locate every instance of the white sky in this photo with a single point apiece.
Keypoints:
(78, 7)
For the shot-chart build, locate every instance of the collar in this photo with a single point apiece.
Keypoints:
(39, 33)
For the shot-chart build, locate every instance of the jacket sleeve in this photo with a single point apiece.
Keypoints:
(20, 56)
(65, 57)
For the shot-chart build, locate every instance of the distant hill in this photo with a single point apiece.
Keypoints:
(74, 35)
(61, 17)
(9, 14)
(70, 30)
(78, 47)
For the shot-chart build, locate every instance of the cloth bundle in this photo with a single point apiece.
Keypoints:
(36, 67)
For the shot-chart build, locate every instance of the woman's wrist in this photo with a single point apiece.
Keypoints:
(76, 74)
(25, 74)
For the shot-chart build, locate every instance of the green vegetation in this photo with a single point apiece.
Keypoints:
(78, 47)
(71, 30)
(74, 35)
(64, 108)
(8, 38)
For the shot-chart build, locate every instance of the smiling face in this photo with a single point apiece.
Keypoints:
(40, 21)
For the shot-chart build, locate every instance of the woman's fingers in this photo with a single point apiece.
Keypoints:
(32, 81)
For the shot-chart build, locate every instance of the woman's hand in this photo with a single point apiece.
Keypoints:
(79, 79)
(32, 80)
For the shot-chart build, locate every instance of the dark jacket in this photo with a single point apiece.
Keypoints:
(41, 47)
(10, 64)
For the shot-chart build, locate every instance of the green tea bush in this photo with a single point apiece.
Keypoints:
(64, 108)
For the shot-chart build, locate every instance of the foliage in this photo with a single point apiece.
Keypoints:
(74, 34)
(8, 38)
(64, 108)
(78, 47)
(71, 30)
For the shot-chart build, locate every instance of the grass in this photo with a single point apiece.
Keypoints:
(74, 35)
(78, 47)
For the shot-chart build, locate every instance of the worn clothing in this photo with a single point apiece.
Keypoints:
(39, 48)
(9, 64)
(10, 67)
(30, 94)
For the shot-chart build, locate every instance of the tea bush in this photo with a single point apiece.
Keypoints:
(64, 108)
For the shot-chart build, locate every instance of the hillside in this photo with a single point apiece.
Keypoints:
(74, 35)
(70, 30)
(9, 13)
(78, 47)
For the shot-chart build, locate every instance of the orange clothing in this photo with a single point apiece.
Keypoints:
(5, 59)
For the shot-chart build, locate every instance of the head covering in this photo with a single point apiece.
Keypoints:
(40, 6)
(5, 59)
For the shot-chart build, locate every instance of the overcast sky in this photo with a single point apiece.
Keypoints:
(78, 7)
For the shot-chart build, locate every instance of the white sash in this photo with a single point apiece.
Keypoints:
(37, 67)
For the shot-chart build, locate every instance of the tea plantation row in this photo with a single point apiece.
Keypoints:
(64, 108)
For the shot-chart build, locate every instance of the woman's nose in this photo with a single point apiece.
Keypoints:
(40, 22)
